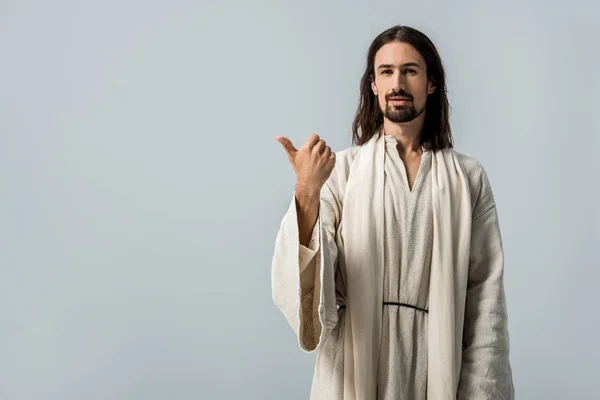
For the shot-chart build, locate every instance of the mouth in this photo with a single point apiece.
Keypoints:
(399, 100)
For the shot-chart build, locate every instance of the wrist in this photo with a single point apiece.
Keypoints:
(307, 191)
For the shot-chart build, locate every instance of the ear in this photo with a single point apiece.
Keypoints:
(431, 86)
(374, 88)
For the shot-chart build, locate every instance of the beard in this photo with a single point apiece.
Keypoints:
(402, 112)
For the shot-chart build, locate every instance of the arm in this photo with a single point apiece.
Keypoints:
(486, 372)
(307, 208)
(303, 275)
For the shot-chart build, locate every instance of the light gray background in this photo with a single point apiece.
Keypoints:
(142, 187)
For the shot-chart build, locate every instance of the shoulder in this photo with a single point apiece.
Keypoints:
(482, 197)
(339, 176)
(471, 165)
(344, 159)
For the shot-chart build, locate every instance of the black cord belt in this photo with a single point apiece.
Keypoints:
(393, 303)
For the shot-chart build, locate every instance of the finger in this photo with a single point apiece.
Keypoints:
(287, 145)
(312, 140)
(326, 151)
(320, 146)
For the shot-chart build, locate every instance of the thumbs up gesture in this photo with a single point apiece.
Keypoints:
(313, 162)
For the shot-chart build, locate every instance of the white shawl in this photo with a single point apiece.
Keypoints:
(363, 232)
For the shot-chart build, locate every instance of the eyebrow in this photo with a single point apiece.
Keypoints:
(408, 64)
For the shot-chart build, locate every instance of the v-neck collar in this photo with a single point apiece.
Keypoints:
(418, 178)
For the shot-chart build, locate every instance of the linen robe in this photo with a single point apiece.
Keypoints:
(309, 284)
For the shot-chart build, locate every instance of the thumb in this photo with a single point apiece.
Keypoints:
(287, 145)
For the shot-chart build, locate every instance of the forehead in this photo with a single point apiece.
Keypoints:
(397, 53)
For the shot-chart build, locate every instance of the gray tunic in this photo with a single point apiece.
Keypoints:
(408, 219)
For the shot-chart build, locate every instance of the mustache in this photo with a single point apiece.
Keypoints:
(400, 93)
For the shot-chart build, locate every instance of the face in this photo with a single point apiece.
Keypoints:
(401, 84)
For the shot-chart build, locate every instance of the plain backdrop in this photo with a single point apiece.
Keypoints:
(141, 187)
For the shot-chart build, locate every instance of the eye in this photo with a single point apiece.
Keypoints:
(386, 71)
(411, 71)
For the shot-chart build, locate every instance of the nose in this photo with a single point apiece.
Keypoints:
(400, 80)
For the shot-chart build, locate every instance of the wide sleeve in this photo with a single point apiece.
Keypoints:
(303, 278)
(486, 371)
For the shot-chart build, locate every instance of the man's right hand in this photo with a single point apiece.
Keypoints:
(313, 162)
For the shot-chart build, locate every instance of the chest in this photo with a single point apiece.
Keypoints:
(411, 168)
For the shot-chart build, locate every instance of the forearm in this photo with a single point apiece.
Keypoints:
(486, 371)
(307, 205)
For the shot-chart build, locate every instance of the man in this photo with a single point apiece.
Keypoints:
(389, 261)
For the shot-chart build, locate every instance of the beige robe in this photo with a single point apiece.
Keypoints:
(309, 282)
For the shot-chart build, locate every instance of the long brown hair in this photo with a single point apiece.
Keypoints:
(436, 133)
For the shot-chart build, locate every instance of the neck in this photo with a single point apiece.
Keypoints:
(407, 134)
